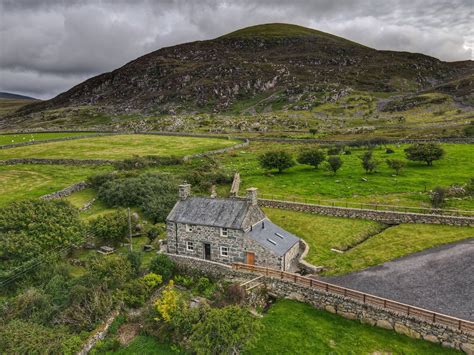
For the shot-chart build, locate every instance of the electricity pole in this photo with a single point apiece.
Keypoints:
(130, 229)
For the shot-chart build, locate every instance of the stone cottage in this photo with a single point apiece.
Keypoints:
(228, 230)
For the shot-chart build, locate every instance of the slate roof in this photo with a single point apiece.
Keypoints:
(272, 237)
(216, 212)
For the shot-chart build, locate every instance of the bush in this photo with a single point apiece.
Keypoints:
(396, 164)
(208, 173)
(163, 265)
(279, 160)
(336, 150)
(135, 293)
(154, 231)
(152, 280)
(469, 130)
(389, 151)
(111, 228)
(438, 197)
(312, 157)
(470, 187)
(148, 161)
(33, 228)
(334, 163)
(225, 330)
(203, 286)
(135, 259)
(183, 280)
(168, 303)
(427, 152)
(153, 193)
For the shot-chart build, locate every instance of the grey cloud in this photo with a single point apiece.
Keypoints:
(50, 45)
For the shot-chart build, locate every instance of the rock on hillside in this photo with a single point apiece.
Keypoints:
(253, 62)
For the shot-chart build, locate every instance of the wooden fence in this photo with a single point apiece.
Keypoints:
(365, 298)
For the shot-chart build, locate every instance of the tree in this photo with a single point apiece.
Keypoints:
(163, 265)
(469, 130)
(313, 131)
(334, 163)
(110, 228)
(279, 160)
(396, 164)
(368, 162)
(427, 152)
(225, 330)
(30, 229)
(438, 197)
(312, 157)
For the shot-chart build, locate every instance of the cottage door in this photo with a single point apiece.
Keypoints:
(207, 251)
(250, 258)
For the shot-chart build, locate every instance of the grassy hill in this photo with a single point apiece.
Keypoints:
(260, 78)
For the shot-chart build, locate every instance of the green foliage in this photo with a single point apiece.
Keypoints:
(146, 162)
(208, 173)
(396, 164)
(163, 265)
(153, 193)
(225, 330)
(334, 163)
(470, 187)
(426, 152)
(312, 157)
(469, 130)
(152, 280)
(336, 150)
(313, 131)
(135, 258)
(184, 280)
(368, 162)
(154, 231)
(111, 228)
(279, 160)
(31, 305)
(33, 228)
(438, 197)
(21, 337)
(111, 271)
(169, 302)
(135, 293)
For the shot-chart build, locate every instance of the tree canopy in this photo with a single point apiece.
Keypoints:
(426, 152)
(279, 160)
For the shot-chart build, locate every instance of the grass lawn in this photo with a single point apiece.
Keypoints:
(26, 137)
(118, 147)
(323, 233)
(409, 188)
(292, 327)
(32, 181)
(145, 345)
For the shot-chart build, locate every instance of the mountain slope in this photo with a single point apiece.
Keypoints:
(11, 96)
(299, 64)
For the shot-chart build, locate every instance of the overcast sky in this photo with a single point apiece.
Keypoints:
(47, 46)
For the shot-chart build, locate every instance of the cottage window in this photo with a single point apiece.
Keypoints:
(224, 251)
(189, 227)
(224, 232)
(189, 246)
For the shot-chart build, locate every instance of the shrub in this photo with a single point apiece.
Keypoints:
(152, 280)
(203, 284)
(469, 130)
(154, 231)
(183, 280)
(235, 294)
(147, 161)
(396, 164)
(427, 152)
(470, 187)
(111, 228)
(334, 163)
(110, 272)
(336, 150)
(389, 151)
(438, 197)
(135, 293)
(154, 194)
(135, 259)
(168, 303)
(208, 173)
(279, 160)
(225, 330)
(163, 265)
(32, 228)
(313, 131)
(368, 162)
(312, 157)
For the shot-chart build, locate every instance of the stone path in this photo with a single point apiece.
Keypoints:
(440, 279)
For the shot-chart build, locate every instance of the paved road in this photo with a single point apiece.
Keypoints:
(439, 279)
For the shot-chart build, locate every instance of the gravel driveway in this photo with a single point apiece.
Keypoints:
(440, 279)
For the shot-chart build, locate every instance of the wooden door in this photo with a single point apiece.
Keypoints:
(250, 258)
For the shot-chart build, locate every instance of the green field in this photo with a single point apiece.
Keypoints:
(32, 181)
(118, 147)
(27, 137)
(323, 233)
(292, 327)
(407, 189)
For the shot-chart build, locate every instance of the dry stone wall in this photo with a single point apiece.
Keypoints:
(344, 306)
(56, 161)
(388, 217)
(65, 192)
(22, 144)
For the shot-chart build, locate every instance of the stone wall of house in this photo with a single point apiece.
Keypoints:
(236, 242)
(65, 192)
(344, 306)
(388, 217)
(291, 257)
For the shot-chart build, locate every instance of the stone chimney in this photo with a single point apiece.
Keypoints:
(252, 195)
(184, 191)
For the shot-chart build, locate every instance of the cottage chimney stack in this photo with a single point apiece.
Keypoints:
(252, 195)
(184, 191)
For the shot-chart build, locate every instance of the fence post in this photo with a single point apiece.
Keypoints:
(408, 310)
(363, 297)
(311, 285)
(281, 274)
(327, 287)
(295, 277)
